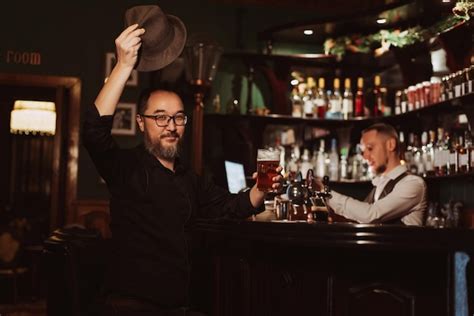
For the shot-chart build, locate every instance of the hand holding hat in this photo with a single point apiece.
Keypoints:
(163, 40)
(128, 44)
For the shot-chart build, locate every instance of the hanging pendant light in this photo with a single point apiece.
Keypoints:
(33, 117)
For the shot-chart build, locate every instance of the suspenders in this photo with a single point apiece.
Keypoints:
(386, 190)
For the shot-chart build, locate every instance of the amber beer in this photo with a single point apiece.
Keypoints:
(267, 163)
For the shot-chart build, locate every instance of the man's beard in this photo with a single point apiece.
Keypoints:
(156, 148)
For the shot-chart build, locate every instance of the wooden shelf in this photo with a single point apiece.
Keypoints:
(448, 106)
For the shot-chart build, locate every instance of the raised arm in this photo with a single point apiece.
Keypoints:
(127, 44)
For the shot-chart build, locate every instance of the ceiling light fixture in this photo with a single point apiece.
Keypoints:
(382, 21)
(308, 32)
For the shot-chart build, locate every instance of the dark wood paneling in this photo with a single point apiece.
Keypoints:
(330, 269)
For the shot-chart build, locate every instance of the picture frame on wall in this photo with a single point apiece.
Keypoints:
(124, 119)
(110, 61)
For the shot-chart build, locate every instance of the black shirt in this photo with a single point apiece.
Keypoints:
(152, 209)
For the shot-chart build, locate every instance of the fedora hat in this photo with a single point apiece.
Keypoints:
(164, 37)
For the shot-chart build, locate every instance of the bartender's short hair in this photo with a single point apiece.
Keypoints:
(387, 130)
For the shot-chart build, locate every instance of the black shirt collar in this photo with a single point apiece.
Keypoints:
(151, 161)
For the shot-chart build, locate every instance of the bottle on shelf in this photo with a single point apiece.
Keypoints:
(309, 98)
(428, 151)
(358, 170)
(470, 149)
(359, 108)
(441, 157)
(404, 101)
(377, 106)
(321, 160)
(335, 102)
(453, 154)
(398, 102)
(333, 161)
(305, 163)
(463, 155)
(293, 165)
(321, 99)
(343, 165)
(296, 103)
(347, 101)
(410, 154)
(282, 151)
(417, 154)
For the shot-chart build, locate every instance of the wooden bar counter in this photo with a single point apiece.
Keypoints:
(281, 268)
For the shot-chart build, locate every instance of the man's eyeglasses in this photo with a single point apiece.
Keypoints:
(162, 120)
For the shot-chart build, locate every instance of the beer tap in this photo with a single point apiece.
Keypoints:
(326, 192)
(319, 209)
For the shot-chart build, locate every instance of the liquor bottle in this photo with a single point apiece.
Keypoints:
(293, 164)
(282, 151)
(410, 153)
(335, 102)
(347, 101)
(418, 166)
(358, 171)
(343, 165)
(321, 160)
(463, 155)
(296, 103)
(398, 102)
(377, 109)
(453, 154)
(428, 143)
(360, 99)
(305, 163)
(441, 154)
(470, 149)
(308, 99)
(333, 161)
(386, 109)
(321, 99)
(404, 103)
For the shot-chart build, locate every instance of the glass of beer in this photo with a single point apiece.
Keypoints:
(268, 161)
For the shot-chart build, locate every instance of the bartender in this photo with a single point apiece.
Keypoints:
(397, 197)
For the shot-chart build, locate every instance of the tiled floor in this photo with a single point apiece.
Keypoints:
(24, 309)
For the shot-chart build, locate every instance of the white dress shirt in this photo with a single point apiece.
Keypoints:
(407, 200)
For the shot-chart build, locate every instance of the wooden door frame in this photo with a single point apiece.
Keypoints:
(70, 153)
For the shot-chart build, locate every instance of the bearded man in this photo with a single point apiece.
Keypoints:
(154, 198)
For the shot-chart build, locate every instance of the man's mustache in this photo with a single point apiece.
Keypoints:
(170, 134)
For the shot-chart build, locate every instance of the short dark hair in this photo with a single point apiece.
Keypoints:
(143, 99)
(145, 96)
(385, 129)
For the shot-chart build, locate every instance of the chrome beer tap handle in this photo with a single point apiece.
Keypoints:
(326, 192)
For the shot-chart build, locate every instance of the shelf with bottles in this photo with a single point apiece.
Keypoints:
(450, 104)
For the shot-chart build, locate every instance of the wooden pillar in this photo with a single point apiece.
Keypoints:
(197, 131)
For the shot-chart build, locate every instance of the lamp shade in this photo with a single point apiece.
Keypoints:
(33, 117)
(201, 62)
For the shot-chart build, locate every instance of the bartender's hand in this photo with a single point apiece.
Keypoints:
(257, 196)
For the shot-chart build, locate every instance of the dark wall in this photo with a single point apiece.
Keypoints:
(73, 37)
